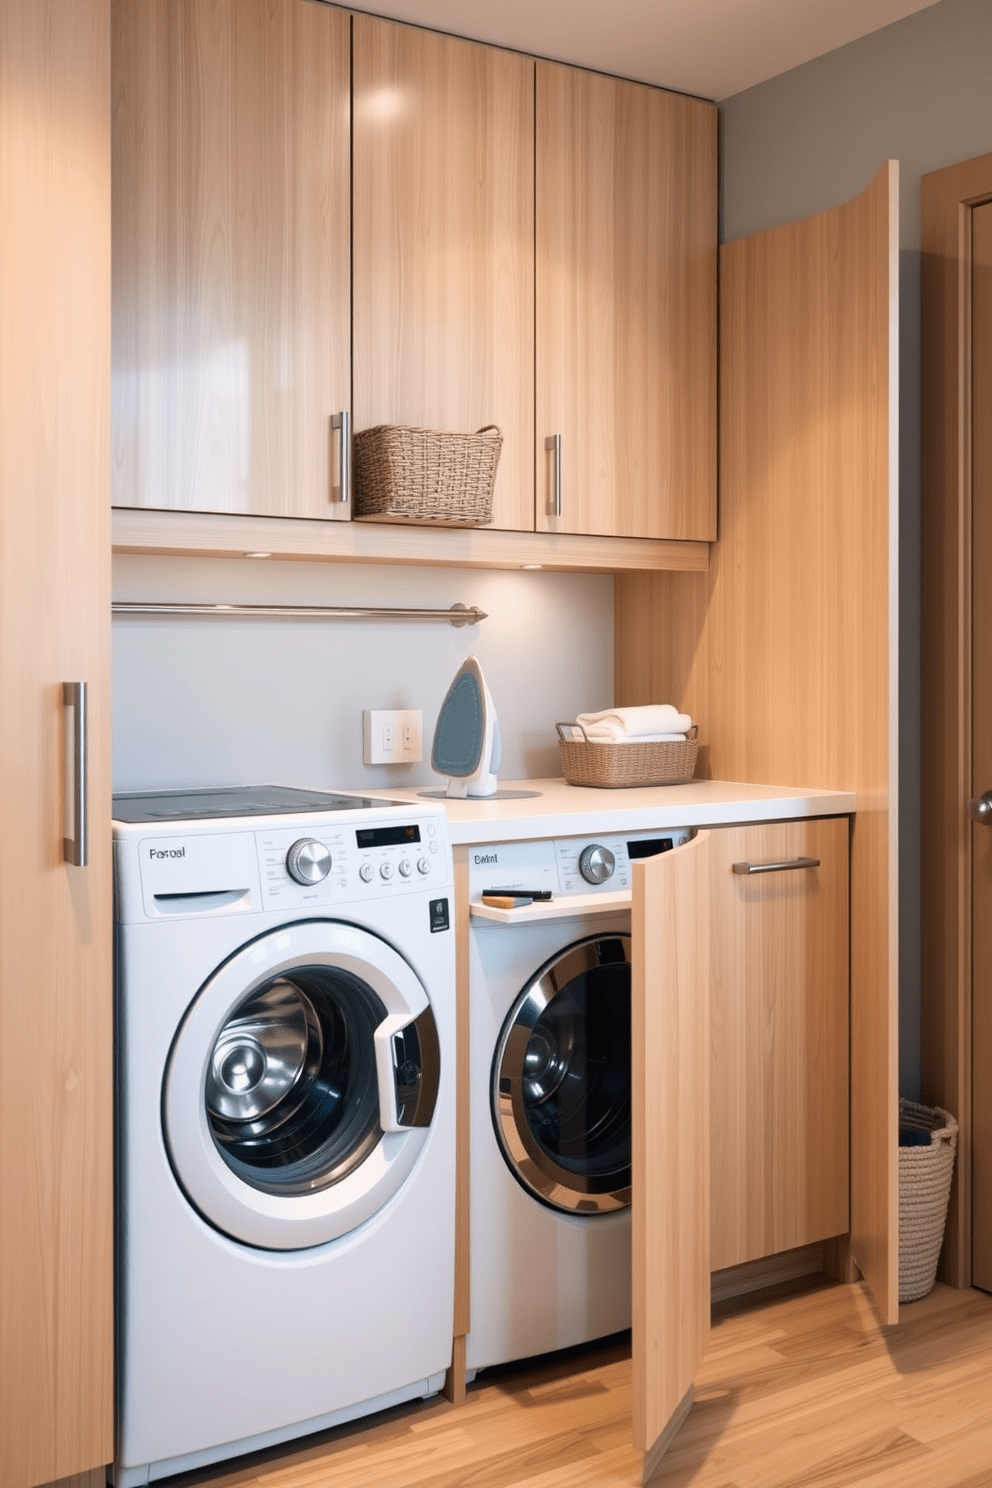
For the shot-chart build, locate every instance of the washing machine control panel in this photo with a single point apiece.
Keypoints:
(313, 862)
(337, 862)
(568, 865)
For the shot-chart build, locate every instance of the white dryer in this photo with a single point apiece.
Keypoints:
(285, 1117)
(550, 1119)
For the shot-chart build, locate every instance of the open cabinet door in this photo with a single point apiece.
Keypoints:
(786, 651)
(670, 1146)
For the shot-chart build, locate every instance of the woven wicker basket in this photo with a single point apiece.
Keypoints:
(924, 1188)
(421, 475)
(619, 766)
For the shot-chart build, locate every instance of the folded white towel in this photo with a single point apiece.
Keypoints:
(615, 725)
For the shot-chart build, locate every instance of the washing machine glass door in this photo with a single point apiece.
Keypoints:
(561, 1079)
(301, 1085)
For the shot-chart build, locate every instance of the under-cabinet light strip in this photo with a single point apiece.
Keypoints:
(458, 614)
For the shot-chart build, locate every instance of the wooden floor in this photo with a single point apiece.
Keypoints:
(804, 1390)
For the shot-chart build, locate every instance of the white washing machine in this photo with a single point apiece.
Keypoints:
(285, 1046)
(550, 1118)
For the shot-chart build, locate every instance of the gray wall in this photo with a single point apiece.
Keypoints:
(205, 701)
(920, 92)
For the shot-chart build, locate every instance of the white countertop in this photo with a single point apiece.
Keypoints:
(559, 809)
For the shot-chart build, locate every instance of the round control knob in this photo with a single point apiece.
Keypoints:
(423, 865)
(308, 861)
(386, 871)
(404, 868)
(366, 873)
(596, 863)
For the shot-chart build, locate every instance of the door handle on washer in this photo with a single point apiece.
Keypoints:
(408, 1065)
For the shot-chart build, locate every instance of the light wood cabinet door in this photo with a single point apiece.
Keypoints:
(670, 1272)
(56, 979)
(779, 1030)
(626, 193)
(444, 243)
(231, 254)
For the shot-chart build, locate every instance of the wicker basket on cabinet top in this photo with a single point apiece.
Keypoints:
(404, 474)
(626, 766)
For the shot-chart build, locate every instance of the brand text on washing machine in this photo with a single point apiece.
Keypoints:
(486, 857)
(167, 852)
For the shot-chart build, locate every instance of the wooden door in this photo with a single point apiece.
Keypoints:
(626, 307)
(786, 651)
(231, 314)
(444, 243)
(670, 1139)
(951, 450)
(779, 1032)
(981, 881)
(56, 1003)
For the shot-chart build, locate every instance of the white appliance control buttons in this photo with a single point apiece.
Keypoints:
(404, 868)
(308, 861)
(423, 865)
(366, 873)
(386, 871)
(596, 863)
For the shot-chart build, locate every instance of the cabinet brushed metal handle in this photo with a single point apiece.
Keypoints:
(787, 867)
(341, 422)
(553, 445)
(980, 809)
(74, 848)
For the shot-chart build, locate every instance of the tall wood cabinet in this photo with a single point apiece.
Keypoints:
(786, 651)
(231, 243)
(56, 1037)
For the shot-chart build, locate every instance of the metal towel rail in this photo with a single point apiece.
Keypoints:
(458, 614)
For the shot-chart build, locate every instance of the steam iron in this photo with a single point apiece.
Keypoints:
(466, 744)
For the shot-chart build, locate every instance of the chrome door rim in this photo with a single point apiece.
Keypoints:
(531, 1164)
(247, 1214)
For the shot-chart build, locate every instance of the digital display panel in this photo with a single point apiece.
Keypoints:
(649, 847)
(387, 836)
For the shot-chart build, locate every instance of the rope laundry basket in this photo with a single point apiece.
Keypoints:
(625, 766)
(404, 474)
(924, 1189)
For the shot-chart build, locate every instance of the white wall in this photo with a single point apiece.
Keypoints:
(211, 701)
(919, 91)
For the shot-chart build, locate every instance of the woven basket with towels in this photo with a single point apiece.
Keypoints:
(628, 747)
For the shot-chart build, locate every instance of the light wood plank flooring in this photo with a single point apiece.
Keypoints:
(802, 1389)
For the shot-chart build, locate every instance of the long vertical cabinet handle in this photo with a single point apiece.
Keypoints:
(74, 848)
(553, 445)
(342, 423)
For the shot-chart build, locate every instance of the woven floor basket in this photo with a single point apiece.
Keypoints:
(619, 766)
(924, 1187)
(421, 475)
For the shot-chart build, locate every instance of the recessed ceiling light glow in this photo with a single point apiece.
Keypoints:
(256, 555)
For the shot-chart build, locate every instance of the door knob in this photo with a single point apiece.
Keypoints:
(980, 809)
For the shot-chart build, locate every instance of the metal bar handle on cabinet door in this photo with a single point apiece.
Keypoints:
(74, 847)
(787, 867)
(342, 423)
(553, 445)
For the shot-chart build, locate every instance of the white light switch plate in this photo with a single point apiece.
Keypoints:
(392, 736)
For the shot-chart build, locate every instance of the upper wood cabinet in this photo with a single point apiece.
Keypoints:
(779, 1037)
(626, 193)
(444, 243)
(231, 254)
